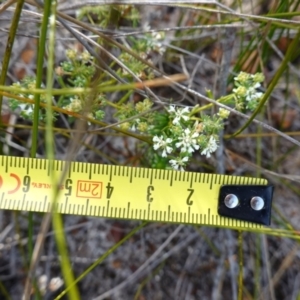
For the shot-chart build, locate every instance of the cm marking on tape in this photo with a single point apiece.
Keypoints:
(135, 193)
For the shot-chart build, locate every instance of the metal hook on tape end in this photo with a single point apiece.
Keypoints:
(246, 202)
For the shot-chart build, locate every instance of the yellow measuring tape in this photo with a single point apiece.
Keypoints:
(121, 192)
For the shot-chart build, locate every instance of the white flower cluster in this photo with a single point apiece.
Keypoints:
(154, 40)
(252, 94)
(27, 109)
(157, 44)
(246, 92)
(185, 136)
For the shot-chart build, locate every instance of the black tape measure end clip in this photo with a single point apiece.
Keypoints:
(250, 203)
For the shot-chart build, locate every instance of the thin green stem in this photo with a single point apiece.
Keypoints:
(209, 242)
(125, 97)
(4, 291)
(9, 44)
(79, 116)
(257, 273)
(147, 280)
(56, 218)
(224, 99)
(282, 15)
(72, 91)
(8, 51)
(39, 75)
(102, 258)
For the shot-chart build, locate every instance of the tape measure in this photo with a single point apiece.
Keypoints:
(121, 192)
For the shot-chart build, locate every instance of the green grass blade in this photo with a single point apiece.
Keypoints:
(56, 218)
(10, 43)
(102, 258)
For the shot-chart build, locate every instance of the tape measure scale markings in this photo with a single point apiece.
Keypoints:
(133, 193)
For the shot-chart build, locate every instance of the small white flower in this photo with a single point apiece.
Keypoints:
(179, 163)
(90, 116)
(159, 142)
(160, 48)
(172, 109)
(26, 108)
(157, 35)
(135, 125)
(188, 142)
(146, 27)
(180, 113)
(252, 94)
(133, 128)
(42, 283)
(55, 284)
(211, 147)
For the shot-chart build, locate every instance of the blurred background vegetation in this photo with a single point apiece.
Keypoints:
(119, 53)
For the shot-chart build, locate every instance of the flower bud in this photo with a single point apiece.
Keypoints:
(223, 113)
(258, 77)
